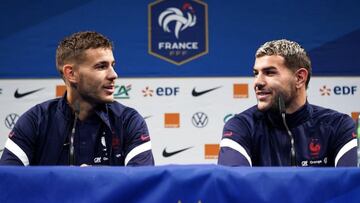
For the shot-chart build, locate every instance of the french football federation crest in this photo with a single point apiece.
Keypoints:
(178, 30)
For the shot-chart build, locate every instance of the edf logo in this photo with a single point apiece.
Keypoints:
(345, 90)
(338, 90)
(167, 91)
(161, 91)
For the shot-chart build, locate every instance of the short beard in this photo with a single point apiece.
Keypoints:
(288, 99)
(275, 108)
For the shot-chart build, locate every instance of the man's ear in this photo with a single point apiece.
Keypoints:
(69, 73)
(301, 77)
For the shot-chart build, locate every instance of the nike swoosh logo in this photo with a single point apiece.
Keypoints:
(228, 134)
(169, 154)
(196, 93)
(145, 137)
(19, 95)
(146, 117)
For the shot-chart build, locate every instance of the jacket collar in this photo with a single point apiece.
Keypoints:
(300, 116)
(101, 110)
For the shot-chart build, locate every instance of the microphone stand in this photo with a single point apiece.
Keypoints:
(292, 142)
(72, 135)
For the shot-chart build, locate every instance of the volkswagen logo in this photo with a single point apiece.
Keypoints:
(10, 120)
(200, 119)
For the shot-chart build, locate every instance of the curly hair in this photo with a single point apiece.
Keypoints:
(295, 56)
(71, 48)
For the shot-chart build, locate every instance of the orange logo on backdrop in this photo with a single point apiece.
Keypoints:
(355, 116)
(241, 91)
(60, 90)
(172, 120)
(212, 151)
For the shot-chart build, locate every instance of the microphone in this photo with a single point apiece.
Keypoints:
(72, 135)
(282, 110)
(281, 105)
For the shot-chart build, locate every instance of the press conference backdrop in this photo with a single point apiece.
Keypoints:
(164, 64)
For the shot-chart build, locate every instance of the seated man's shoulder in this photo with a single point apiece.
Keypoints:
(249, 116)
(121, 110)
(327, 115)
(46, 106)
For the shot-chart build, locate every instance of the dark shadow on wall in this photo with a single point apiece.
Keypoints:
(24, 13)
(340, 54)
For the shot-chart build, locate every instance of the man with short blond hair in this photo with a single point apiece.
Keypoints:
(283, 129)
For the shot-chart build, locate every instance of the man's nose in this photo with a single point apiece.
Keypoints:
(259, 82)
(112, 74)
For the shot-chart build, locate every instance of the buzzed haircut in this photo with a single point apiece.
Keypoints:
(72, 48)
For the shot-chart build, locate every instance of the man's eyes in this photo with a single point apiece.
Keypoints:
(101, 66)
(270, 72)
(267, 73)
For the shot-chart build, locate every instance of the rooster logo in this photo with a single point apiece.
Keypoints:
(178, 30)
(314, 147)
(175, 14)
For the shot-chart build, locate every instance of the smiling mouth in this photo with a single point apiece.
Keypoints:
(109, 89)
(262, 94)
